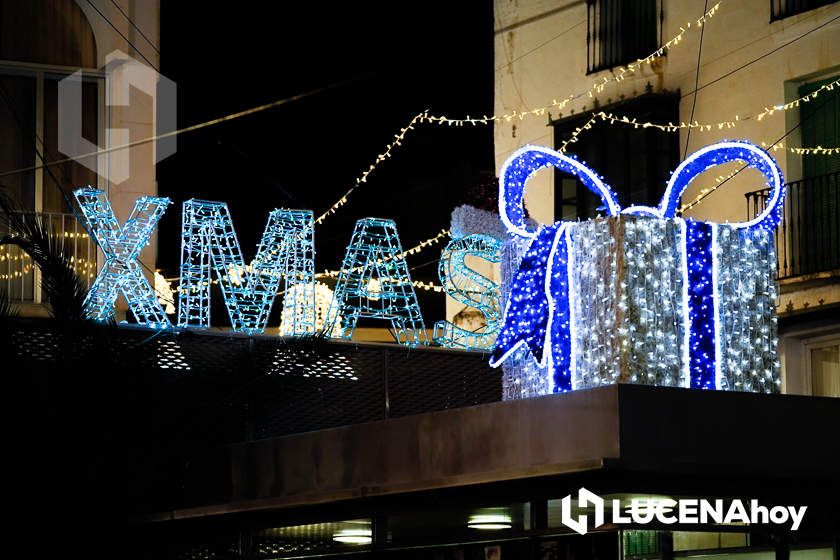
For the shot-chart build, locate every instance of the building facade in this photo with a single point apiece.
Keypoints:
(43, 42)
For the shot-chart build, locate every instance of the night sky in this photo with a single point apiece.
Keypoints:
(400, 58)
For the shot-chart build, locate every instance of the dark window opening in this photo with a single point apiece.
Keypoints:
(620, 31)
(634, 162)
(780, 9)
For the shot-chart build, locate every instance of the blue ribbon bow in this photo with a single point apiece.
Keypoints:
(538, 312)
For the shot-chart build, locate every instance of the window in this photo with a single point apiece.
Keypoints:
(820, 127)
(30, 68)
(814, 217)
(635, 162)
(780, 9)
(822, 362)
(620, 31)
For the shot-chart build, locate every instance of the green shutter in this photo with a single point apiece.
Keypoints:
(820, 127)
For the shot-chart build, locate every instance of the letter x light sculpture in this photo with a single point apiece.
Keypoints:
(121, 272)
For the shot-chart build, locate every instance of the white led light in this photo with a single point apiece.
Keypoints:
(353, 536)
(490, 521)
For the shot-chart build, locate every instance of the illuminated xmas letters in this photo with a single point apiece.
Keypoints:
(374, 283)
(121, 245)
(286, 254)
(470, 288)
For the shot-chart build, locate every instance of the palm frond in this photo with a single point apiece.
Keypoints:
(33, 234)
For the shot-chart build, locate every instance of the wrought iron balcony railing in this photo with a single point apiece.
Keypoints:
(808, 239)
(621, 31)
(18, 274)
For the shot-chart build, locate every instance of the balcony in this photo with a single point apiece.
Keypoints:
(808, 239)
(19, 276)
(619, 32)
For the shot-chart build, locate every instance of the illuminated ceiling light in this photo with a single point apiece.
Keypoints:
(491, 521)
(353, 536)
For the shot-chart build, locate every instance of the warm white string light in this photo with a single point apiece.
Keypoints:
(796, 102)
(819, 150)
(619, 74)
(721, 179)
(612, 118)
(398, 138)
(414, 250)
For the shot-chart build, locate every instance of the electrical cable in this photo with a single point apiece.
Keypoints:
(765, 55)
(732, 176)
(120, 33)
(140, 31)
(696, 81)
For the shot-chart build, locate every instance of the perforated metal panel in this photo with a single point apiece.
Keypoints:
(238, 388)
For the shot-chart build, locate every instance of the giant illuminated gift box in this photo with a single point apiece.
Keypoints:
(643, 296)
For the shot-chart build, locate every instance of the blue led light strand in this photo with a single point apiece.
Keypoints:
(560, 314)
(527, 316)
(121, 272)
(374, 282)
(701, 305)
(470, 288)
(285, 255)
(714, 155)
(523, 164)
(527, 312)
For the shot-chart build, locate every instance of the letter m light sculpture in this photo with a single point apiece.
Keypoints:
(121, 245)
(286, 254)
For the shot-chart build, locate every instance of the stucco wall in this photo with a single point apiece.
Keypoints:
(137, 118)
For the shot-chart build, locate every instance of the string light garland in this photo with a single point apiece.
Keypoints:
(402, 255)
(428, 286)
(722, 179)
(386, 154)
(819, 150)
(796, 102)
(619, 74)
(576, 132)
(726, 124)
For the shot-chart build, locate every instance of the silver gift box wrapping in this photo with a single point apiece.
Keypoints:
(521, 376)
(628, 302)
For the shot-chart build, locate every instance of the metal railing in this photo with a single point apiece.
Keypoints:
(780, 9)
(620, 31)
(18, 274)
(808, 239)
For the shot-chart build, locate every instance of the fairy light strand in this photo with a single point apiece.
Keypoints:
(386, 154)
(726, 124)
(619, 74)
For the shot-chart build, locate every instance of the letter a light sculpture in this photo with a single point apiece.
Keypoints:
(374, 283)
(286, 254)
(121, 272)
